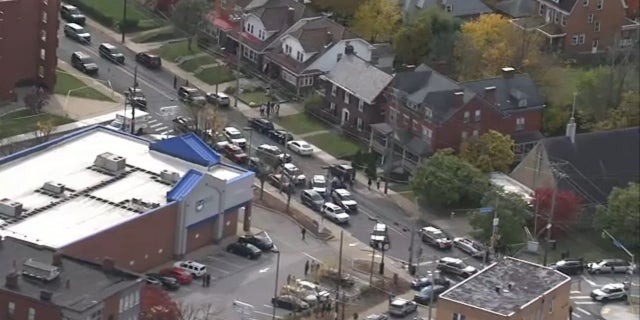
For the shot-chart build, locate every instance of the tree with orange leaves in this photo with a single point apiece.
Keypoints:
(155, 304)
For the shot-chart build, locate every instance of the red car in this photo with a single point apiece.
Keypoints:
(235, 153)
(182, 276)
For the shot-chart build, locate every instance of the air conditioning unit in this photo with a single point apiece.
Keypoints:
(110, 162)
(53, 187)
(169, 176)
(10, 208)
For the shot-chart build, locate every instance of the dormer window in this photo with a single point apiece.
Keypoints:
(412, 105)
(522, 103)
(448, 8)
(299, 56)
(287, 49)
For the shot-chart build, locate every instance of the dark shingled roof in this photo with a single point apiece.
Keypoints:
(518, 8)
(597, 161)
(528, 282)
(88, 283)
(509, 91)
(564, 5)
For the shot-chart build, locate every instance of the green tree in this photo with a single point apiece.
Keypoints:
(626, 115)
(621, 217)
(513, 213)
(376, 20)
(490, 152)
(343, 10)
(189, 16)
(447, 181)
(371, 170)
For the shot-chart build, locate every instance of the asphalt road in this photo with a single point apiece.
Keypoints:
(158, 88)
(584, 307)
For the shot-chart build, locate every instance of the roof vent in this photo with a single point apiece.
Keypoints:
(510, 286)
(12, 280)
(39, 270)
(141, 206)
(497, 289)
(53, 187)
(46, 295)
(10, 208)
(169, 176)
(110, 162)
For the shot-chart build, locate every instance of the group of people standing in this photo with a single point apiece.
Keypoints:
(268, 109)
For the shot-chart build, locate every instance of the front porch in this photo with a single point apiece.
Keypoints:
(398, 147)
(552, 32)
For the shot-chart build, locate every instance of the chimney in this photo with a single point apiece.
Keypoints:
(108, 264)
(497, 289)
(571, 130)
(12, 280)
(459, 98)
(490, 94)
(291, 13)
(57, 259)
(329, 38)
(507, 72)
(348, 49)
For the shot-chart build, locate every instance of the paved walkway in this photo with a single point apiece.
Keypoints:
(616, 312)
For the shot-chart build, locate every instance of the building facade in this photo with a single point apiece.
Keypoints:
(28, 44)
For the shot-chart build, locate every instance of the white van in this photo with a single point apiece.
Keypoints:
(122, 121)
(195, 268)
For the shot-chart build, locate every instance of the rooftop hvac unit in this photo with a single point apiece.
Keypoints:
(169, 176)
(10, 208)
(110, 162)
(53, 187)
(39, 270)
(142, 206)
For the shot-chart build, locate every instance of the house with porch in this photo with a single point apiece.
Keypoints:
(463, 9)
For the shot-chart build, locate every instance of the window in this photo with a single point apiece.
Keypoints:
(288, 77)
(306, 81)
(590, 18)
(596, 26)
(360, 105)
(260, 34)
(599, 4)
(522, 103)
(464, 135)
(96, 315)
(581, 39)
(11, 308)
(406, 120)
(519, 124)
(346, 97)
(359, 124)
(412, 105)
(585, 2)
(556, 16)
(44, 17)
(121, 304)
(393, 115)
(542, 7)
(43, 35)
(42, 54)
(448, 8)
(32, 314)
(477, 115)
(594, 44)
(465, 118)
(414, 125)
(136, 298)
(475, 133)
(332, 106)
(299, 56)
(333, 90)
(426, 133)
(287, 49)
(458, 316)
(428, 113)
(563, 22)
(574, 40)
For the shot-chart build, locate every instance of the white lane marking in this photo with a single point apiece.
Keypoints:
(267, 306)
(264, 270)
(580, 297)
(584, 302)
(266, 314)
(353, 244)
(576, 291)
(167, 131)
(576, 315)
(593, 284)
(310, 256)
(157, 124)
(583, 311)
(219, 269)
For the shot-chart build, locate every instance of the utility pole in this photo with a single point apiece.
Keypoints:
(549, 224)
(494, 232)
(124, 18)
(412, 245)
(239, 59)
(373, 255)
(275, 291)
(433, 285)
(131, 102)
(339, 274)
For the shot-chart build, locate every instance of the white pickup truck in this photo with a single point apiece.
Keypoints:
(123, 121)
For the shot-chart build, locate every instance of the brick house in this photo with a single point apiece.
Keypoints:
(582, 26)
(427, 111)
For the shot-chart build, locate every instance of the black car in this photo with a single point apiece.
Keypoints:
(421, 282)
(289, 303)
(312, 199)
(569, 266)
(246, 250)
(71, 14)
(261, 125)
(168, 283)
(430, 292)
(261, 242)
(137, 98)
(84, 63)
(149, 60)
(280, 136)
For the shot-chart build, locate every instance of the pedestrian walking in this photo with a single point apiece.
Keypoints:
(378, 184)
(306, 268)
(304, 233)
(288, 279)
(277, 110)
(186, 82)
(262, 110)
(208, 280)
(369, 182)
(268, 112)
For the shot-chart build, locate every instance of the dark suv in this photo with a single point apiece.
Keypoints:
(71, 14)
(83, 62)
(569, 266)
(149, 60)
(261, 125)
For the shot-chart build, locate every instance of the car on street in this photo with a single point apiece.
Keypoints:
(609, 266)
(421, 282)
(379, 236)
(334, 213)
(435, 237)
(235, 153)
(272, 155)
(77, 33)
(111, 53)
(261, 125)
(280, 136)
(137, 98)
(167, 283)
(191, 95)
(401, 307)
(376, 317)
(182, 276)
(235, 136)
(289, 302)
(280, 182)
(426, 294)
(246, 250)
(196, 269)
(318, 183)
(294, 174)
(183, 125)
(344, 199)
(311, 199)
(71, 14)
(300, 147)
(569, 266)
(84, 63)
(259, 241)
(455, 266)
(219, 99)
(611, 291)
(469, 247)
(149, 60)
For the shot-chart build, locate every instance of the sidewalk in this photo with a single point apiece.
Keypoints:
(618, 312)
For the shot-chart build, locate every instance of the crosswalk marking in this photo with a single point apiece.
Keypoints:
(157, 124)
(584, 302)
(575, 315)
(166, 132)
(580, 297)
(576, 291)
(583, 311)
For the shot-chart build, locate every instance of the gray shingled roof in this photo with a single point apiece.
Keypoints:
(313, 33)
(509, 91)
(565, 5)
(359, 77)
(518, 8)
(459, 8)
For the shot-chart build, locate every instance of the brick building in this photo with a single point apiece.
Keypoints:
(28, 44)
(96, 191)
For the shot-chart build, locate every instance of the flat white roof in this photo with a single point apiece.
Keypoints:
(69, 163)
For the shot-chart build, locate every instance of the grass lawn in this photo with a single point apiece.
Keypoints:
(158, 36)
(215, 75)
(23, 121)
(66, 82)
(113, 8)
(301, 123)
(335, 144)
(257, 97)
(193, 64)
(587, 244)
(175, 50)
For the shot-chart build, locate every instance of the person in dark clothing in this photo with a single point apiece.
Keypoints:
(304, 233)
(306, 267)
(369, 182)
(378, 184)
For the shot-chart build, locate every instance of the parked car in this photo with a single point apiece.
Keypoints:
(168, 283)
(456, 266)
(137, 97)
(294, 174)
(318, 183)
(196, 269)
(219, 99)
(280, 182)
(470, 247)
(421, 282)
(235, 153)
(149, 60)
(261, 242)
(344, 199)
(235, 136)
(300, 147)
(191, 96)
(182, 276)
(612, 291)
(609, 266)
(272, 155)
(246, 250)
(435, 237)
(111, 53)
(84, 63)
(401, 307)
(311, 199)
(334, 213)
(376, 317)
(280, 136)
(183, 125)
(379, 235)
(289, 302)
(569, 266)
(77, 33)
(261, 125)
(428, 293)
(71, 14)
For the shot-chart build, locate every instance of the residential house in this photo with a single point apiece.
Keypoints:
(463, 9)
(353, 94)
(583, 26)
(427, 111)
(517, 8)
(589, 164)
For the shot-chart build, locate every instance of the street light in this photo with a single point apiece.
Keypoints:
(275, 290)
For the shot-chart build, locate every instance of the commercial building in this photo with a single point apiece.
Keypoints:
(28, 44)
(508, 289)
(39, 283)
(100, 193)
